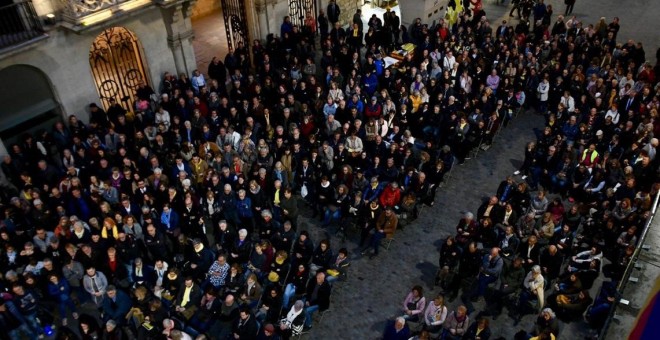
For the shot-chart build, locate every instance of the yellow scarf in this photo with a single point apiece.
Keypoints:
(115, 232)
(277, 197)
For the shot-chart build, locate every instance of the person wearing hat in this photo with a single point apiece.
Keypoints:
(294, 322)
(374, 109)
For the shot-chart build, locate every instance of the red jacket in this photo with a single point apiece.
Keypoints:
(390, 197)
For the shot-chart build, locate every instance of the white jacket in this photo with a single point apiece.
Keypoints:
(536, 284)
(543, 90)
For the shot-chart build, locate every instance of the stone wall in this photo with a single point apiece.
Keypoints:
(348, 8)
(205, 7)
(69, 69)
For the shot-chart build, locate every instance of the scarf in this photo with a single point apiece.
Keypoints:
(115, 233)
(165, 219)
(292, 315)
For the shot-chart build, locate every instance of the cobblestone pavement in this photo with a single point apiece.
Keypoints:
(376, 288)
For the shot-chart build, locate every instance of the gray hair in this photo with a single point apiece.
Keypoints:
(536, 269)
(242, 232)
(469, 215)
(298, 305)
(401, 320)
(266, 212)
(549, 311)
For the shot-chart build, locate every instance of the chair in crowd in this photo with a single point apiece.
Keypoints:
(388, 242)
(450, 173)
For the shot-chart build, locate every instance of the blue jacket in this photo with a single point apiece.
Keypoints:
(61, 292)
(359, 105)
(380, 67)
(371, 83)
(244, 207)
(570, 131)
(116, 310)
(371, 194)
(391, 333)
(171, 223)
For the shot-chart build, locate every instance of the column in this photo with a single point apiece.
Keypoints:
(179, 60)
(176, 17)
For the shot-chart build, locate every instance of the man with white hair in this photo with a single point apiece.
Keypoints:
(533, 289)
(466, 230)
(397, 330)
(240, 250)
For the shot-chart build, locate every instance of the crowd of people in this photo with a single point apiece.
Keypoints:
(178, 218)
(572, 214)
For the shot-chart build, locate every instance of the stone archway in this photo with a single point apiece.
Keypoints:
(118, 67)
(28, 102)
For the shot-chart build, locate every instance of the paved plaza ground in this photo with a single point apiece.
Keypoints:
(377, 287)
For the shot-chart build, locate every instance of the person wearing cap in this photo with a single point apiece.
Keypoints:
(294, 321)
(374, 109)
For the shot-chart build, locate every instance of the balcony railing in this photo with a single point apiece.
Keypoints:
(90, 12)
(19, 23)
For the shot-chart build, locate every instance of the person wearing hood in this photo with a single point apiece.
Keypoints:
(292, 325)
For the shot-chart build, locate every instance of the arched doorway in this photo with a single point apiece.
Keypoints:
(28, 103)
(218, 26)
(298, 11)
(118, 66)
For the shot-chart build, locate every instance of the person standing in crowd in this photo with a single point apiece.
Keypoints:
(333, 12)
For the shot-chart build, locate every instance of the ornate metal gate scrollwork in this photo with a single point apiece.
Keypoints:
(233, 12)
(298, 10)
(117, 66)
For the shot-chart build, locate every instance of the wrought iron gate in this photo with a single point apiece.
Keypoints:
(298, 11)
(235, 22)
(117, 66)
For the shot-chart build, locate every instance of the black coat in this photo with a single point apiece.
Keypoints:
(322, 296)
(333, 12)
